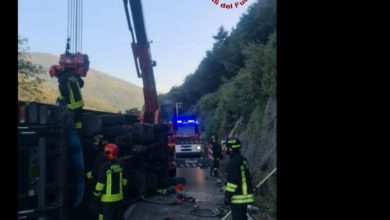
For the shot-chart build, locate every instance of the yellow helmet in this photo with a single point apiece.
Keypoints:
(233, 142)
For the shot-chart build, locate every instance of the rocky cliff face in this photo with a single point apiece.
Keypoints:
(258, 140)
(259, 147)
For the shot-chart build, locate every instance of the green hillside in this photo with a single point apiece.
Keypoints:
(101, 91)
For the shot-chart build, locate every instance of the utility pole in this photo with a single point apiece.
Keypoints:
(177, 106)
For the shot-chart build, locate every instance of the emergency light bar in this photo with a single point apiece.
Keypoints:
(187, 121)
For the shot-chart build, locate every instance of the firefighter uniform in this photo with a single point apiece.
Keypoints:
(110, 190)
(238, 188)
(70, 85)
(92, 175)
(96, 157)
(99, 160)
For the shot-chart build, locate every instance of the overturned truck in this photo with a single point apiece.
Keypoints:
(53, 157)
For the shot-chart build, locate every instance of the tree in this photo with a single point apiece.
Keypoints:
(132, 111)
(29, 81)
(245, 50)
(221, 36)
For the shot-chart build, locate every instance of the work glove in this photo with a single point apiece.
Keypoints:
(226, 201)
(96, 195)
(88, 175)
(60, 102)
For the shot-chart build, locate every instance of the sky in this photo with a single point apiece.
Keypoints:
(180, 30)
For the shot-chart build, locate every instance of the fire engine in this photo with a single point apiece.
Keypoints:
(186, 143)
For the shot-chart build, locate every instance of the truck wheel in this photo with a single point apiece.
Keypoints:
(124, 138)
(131, 119)
(142, 133)
(111, 120)
(124, 148)
(115, 130)
(91, 125)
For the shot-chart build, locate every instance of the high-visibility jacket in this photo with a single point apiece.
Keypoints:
(111, 181)
(239, 185)
(70, 88)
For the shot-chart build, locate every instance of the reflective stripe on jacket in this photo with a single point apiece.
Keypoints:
(111, 181)
(239, 185)
(70, 88)
(75, 96)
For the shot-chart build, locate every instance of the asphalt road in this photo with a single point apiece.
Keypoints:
(199, 185)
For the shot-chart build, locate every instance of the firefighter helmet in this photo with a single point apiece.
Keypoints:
(54, 70)
(233, 143)
(111, 151)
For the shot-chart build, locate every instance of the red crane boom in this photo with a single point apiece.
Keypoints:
(143, 60)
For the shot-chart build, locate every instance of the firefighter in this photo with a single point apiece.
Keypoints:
(111, 184)
(217, 155)
(69, 85)
(94, 157)
(238, 188)
(99, 156)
